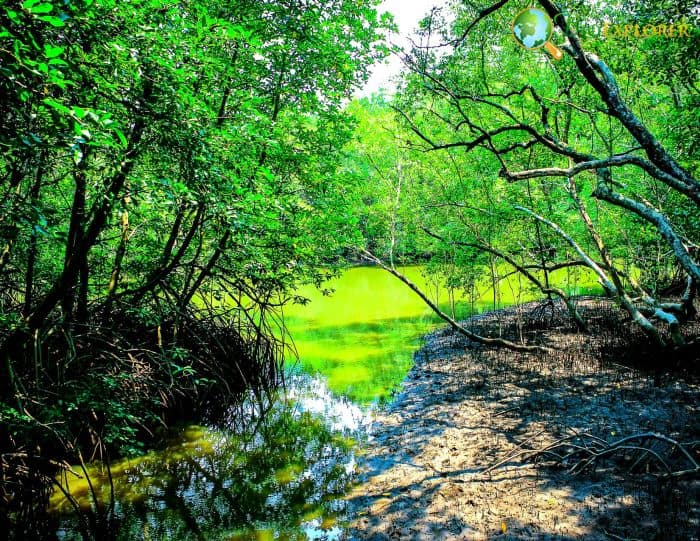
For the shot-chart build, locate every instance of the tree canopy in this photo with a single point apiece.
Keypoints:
(172, 171)
(587, 164)
(152, 149)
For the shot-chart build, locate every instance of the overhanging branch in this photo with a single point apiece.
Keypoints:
(499, 342)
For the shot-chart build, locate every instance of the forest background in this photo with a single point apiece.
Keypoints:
(172, 173)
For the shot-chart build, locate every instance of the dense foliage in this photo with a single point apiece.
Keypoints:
(172, 170)
(500, 161)
(166, 169)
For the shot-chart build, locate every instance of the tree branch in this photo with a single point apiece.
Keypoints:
(454, 324)
(591, 67)
(654, 217)
(524, 270)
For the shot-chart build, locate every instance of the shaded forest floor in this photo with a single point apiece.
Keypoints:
(464, 408)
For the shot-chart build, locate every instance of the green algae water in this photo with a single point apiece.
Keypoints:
(280, 472)
(362, 338)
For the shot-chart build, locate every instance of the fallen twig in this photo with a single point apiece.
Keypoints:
(587, 451)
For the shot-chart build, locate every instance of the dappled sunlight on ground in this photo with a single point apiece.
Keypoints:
(461, 411)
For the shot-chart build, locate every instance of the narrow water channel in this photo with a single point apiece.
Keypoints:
(280, 473)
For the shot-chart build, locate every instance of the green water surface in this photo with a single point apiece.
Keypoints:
(361, 339)
(284, 475)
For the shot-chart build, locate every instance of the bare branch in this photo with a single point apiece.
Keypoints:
(481, 15)
(525, 271)
(693, 192)
(602, 80)
(585, 450)
(654, 217)
(607, 283)
(500, 342)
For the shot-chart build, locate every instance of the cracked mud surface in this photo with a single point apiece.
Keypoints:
(463, 408)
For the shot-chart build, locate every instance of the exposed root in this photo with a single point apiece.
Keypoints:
(647, 452)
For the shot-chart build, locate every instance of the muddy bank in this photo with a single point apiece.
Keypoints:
(463, 408)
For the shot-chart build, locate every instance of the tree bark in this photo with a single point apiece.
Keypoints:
(117, 266)
(75, 234)
(32, 248)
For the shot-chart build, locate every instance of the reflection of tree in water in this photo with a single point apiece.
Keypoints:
(286, 467)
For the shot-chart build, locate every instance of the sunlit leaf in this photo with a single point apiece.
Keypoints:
(51, 51)
(53, 21)
(121, 137)
(40, 9)
(56, 105)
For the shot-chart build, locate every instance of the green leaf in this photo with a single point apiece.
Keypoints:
(52, 52)
(41, 8)
(56, 105)
(79, 112)
(121, 137)
(59, 81)
(29, 3)
(53, 21)
(235, 31)
(12, 15)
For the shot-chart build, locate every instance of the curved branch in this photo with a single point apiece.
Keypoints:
(607, 283)
(481, 15)
(525, 271)
(612, 286)
(454, 324)
(591, 67)
(654, 217)
(693, 192)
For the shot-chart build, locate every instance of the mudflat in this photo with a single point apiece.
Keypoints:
(429, 473)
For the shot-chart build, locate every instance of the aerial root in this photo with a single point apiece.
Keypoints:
(647, 452)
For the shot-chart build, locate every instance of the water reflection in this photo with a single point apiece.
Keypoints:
(279, 475)
(311, 394)
(279, 471)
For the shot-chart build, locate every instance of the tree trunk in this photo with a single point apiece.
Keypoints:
(75, 234)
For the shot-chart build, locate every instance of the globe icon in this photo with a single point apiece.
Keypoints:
(532, 28)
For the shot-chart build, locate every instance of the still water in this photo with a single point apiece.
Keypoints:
(277, 474)
(361, 339)
(280, 473)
